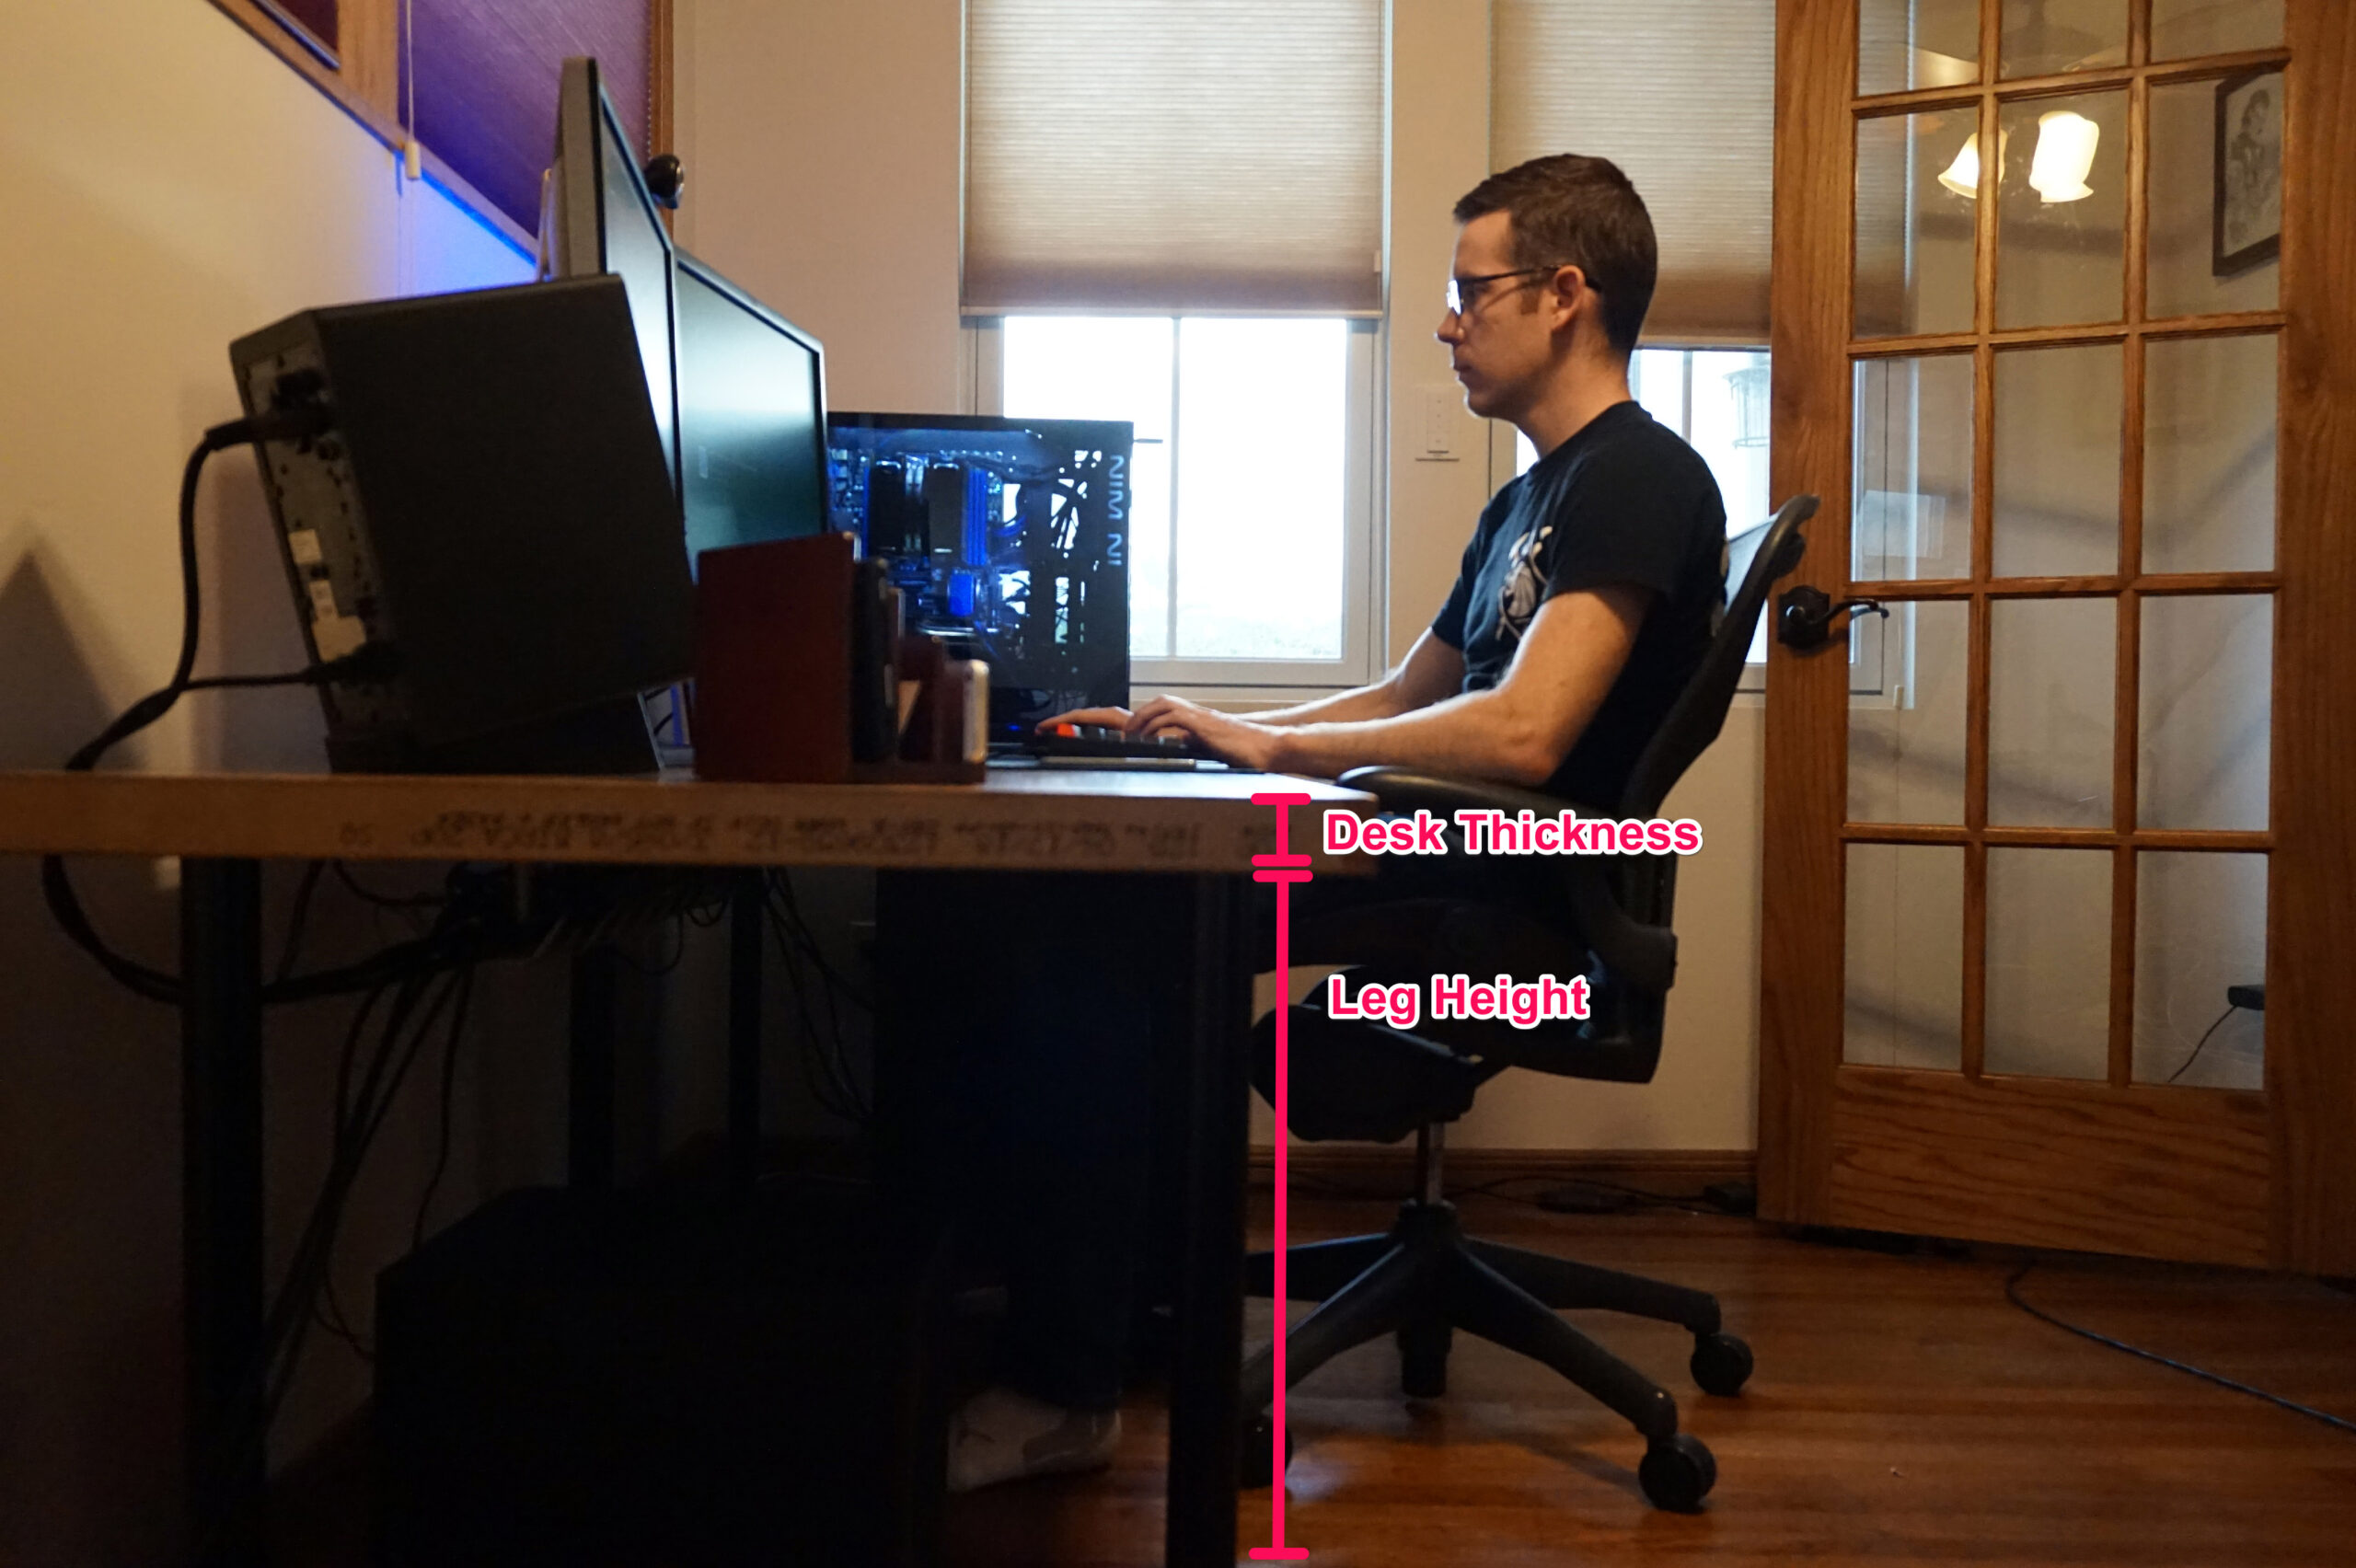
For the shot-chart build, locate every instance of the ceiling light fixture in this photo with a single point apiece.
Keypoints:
(2065, 152)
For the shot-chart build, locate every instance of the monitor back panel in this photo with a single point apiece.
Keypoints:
(492, 502)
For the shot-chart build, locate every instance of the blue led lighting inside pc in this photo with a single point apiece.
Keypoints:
(1008, 539)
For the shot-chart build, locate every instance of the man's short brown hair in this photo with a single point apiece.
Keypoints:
(1573, 210)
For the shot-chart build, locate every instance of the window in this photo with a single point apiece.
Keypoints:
(1716, 400)
(1123, 162)
(1250, 543)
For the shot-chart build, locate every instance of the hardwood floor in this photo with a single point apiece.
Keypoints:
(1903, 1411)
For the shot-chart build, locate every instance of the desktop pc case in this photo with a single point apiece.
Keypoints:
(1008, 539)
(644, 1376)
(494, 504)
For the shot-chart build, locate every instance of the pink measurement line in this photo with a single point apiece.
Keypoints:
(1284, 869)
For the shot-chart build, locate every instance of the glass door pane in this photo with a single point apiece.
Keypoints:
(1906, 44)
(2058, 415)
(2216, 197)
(1904, 957)
(2050, 701)
(2043, 37)
(1917, 180)
(2206, 694)
(2200, 934)
(2049, 963)
(2061, 230)
(2182, 28)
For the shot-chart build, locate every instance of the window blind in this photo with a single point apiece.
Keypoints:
(1174, 155)
(484, 77)
(1683, 97)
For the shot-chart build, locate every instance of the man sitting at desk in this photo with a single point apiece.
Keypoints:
(1586, 598)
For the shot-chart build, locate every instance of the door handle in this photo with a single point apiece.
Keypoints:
(1804, 615)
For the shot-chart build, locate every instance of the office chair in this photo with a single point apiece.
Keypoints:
(1608, 918)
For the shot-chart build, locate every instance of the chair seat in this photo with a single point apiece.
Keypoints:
(1361, 1081)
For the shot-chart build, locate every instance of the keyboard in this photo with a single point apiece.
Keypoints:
(1101, 745)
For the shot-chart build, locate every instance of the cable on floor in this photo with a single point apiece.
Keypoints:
(2013, 1294)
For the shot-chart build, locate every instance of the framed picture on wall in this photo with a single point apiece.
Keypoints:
(2246, 228)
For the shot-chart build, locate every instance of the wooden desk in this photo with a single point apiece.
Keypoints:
(222, 825)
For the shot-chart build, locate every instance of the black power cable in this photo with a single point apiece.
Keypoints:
(2013, 1294)
(2203, 1044)
(372, 662)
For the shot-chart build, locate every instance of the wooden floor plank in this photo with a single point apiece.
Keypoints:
(1903, 1412)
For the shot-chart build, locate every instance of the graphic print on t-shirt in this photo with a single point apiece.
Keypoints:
(1525, 583)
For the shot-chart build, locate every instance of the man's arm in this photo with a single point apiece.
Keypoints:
(1517, 733)
(1431, 671)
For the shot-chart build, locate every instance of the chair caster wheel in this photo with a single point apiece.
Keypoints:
(1677, 1474)
(1259, 1441)
(1721, 1364)
(1423, 1359)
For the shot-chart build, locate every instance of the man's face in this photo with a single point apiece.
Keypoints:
(1501, 344)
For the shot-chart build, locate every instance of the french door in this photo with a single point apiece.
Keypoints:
(2060, 923)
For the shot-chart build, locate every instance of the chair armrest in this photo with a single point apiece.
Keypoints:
(1644, 955)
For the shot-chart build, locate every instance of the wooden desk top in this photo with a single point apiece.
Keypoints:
(1045, 819)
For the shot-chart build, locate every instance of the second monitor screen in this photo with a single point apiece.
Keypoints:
(751, 431)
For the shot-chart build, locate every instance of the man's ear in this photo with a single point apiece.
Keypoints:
(1567, 292)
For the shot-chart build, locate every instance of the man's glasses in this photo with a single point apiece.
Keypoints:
(1464, 295)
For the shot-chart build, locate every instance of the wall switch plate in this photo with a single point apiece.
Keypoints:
(1445, 424)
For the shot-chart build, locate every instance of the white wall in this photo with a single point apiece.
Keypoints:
(171, 185)
(822, 142)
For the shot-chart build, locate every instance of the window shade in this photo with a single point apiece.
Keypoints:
(485, 72)
(1681, 97)
(1174, 155)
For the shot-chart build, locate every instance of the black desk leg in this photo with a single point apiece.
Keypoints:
(220, 1205)
(1205, 1418)
(597, 988)
(748, 909)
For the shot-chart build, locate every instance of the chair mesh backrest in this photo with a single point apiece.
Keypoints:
(1699, 710)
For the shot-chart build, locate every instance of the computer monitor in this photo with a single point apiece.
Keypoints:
(1008, 539)
(598, 217)
(752, 417)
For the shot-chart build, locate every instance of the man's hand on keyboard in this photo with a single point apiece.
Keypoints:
(1233, 739)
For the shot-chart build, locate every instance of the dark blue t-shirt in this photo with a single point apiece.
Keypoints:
(1622, 501)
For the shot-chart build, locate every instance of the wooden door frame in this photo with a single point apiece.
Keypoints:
(2274, 1181)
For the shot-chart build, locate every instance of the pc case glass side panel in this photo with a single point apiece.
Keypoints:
(1000, 535)
(1110, 367)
